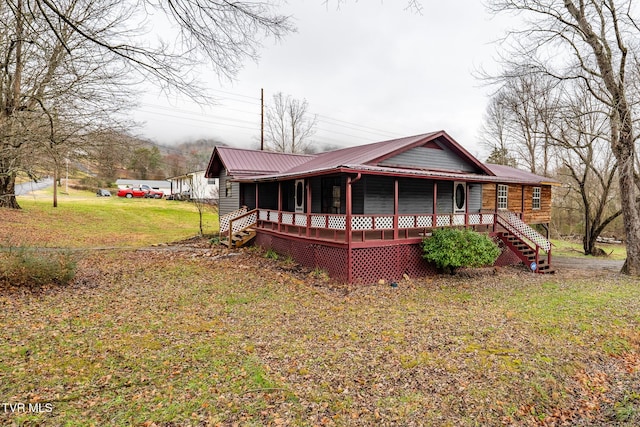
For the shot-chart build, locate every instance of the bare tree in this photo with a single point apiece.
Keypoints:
(519, 120)
(288, 126)
(67, 67)
(203, 195)
(586, 155)
(495, 133)
(226, 33)
(592, 41)
(52, 94)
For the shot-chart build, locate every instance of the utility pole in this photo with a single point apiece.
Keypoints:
(262, 119)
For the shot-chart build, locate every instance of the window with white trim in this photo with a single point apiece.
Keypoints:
(535, 202)
(503, 193)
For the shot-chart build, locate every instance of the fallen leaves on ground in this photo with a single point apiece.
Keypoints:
(190, 334)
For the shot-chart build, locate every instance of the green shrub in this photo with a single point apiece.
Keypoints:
(451, 248)
(24, 267)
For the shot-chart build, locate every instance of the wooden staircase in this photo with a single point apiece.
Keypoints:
(238, 227)
(240, 238)
(533, 249)
(526, 253)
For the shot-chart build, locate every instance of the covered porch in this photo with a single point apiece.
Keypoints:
(359, 208)
(363, 247)
(360, 230)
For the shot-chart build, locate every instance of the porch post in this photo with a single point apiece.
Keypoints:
(279, 204)
(495, 215)
(257, 199)
(435, 204)
(467, 191)
(308, 185)
(348, 230)
(522, 204)
(395, 209)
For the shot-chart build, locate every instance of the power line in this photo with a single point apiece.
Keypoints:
(253, 124)
(209, 122)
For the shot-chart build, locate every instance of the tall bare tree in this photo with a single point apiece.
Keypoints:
(51, 92)
(67, 66)
(289, 126)
(518, 121)
(593, 41)
(585, 153)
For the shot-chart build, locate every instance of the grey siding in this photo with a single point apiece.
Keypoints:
(378, 195)
(445, 197)
(475, 198)
(228, 204)
(429, 158)
(415, 196)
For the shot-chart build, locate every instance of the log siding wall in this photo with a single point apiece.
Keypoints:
(519, 194)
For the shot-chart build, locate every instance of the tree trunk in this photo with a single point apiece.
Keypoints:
(588, 244)
(7, 192)
(55, 187)
(630, 215)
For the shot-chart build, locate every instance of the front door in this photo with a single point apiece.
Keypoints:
(459, 197)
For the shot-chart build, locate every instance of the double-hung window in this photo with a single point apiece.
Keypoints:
(503, 192)
(535, 202)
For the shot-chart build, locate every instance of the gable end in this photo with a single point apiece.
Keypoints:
(428, 158)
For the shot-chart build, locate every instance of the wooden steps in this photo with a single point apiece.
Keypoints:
(240, 238)
(526, 254)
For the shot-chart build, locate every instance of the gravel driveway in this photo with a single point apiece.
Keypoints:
(586, 263)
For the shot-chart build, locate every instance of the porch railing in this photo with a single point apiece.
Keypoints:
(512, 223)
(311, 224)
(225, 219)
(530, 237)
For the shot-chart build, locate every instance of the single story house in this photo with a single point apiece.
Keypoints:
(361, 212)
(194, 185)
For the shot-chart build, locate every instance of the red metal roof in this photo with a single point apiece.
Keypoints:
(372, 154)
(242, 162)
(357, 155)
(254, 165)
(518, 175)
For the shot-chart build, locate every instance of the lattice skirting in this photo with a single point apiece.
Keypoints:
(389, 263)
(332, 259)
(507, 257)
(369, 265)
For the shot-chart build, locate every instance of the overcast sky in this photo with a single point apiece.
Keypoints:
(370, 71)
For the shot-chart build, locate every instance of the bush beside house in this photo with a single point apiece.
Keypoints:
(451, 248)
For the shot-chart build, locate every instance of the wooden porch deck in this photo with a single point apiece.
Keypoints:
(376, 231)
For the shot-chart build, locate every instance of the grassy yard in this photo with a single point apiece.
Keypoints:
(197, 336)
(574, 249)
(84, 220)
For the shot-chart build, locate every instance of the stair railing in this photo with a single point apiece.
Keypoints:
(514, 225)
(225, 219)
(242, 222)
